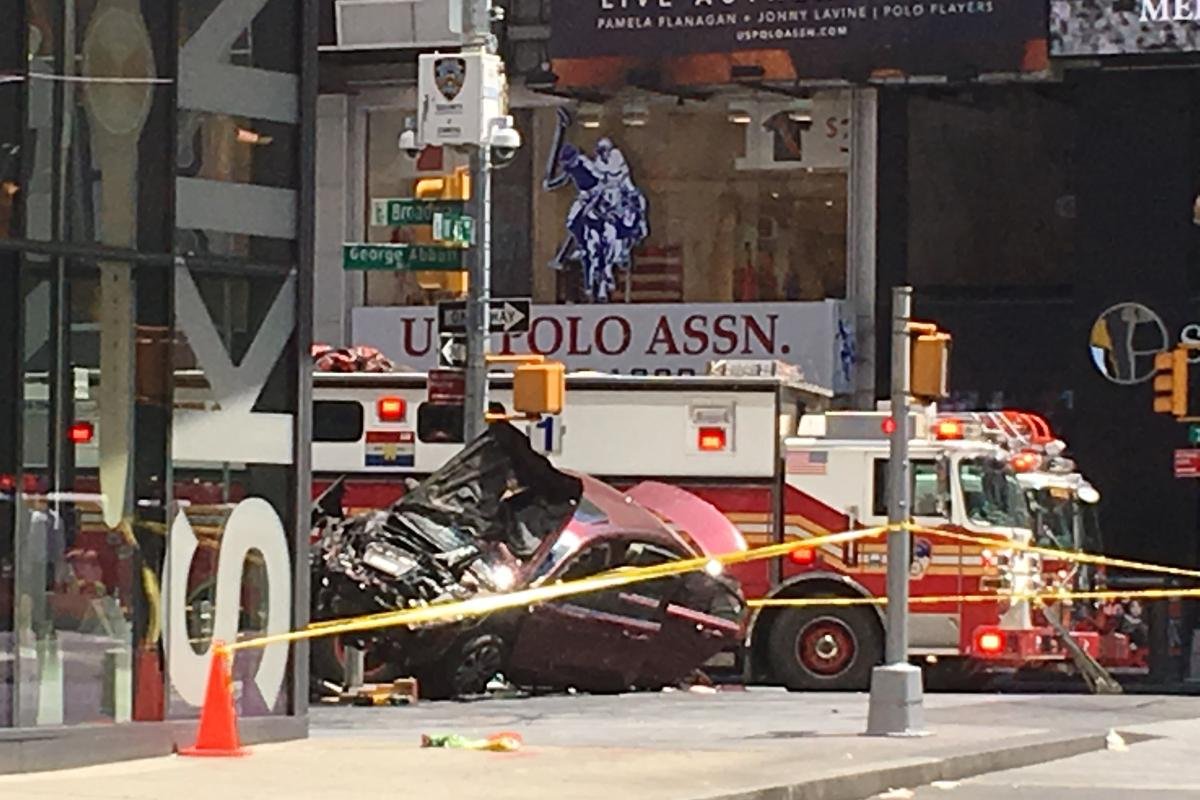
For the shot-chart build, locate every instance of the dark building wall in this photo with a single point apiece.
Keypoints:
(1019, 215)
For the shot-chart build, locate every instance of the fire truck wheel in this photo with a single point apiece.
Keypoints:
(825, 648)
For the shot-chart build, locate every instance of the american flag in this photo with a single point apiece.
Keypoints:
(807, 462)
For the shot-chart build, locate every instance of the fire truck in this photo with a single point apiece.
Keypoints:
(1064, 508)
(765, 449)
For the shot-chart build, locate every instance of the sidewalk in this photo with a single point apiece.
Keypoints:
(761, 744)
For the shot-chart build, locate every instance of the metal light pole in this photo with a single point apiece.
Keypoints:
(477, 29)
(896, 692)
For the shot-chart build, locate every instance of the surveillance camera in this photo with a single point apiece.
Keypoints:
(408, 143)
(505, 141)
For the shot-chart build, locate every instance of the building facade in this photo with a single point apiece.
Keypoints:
(155, 282)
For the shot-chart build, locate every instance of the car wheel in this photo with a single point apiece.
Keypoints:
(466, 669)
(820, 648)
(327, 659)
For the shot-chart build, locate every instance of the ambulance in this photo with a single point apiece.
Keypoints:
(764, 447)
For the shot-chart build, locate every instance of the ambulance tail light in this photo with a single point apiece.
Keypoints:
(711, 439)
(391, 409)
(81, 433)
(989, 642)
(949, 429)
(803, 557)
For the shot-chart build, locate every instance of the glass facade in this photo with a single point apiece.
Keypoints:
(154, 182)
(753, 209)
(653, 235)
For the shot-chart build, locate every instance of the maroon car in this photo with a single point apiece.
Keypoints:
(499, 517)
(646, 635)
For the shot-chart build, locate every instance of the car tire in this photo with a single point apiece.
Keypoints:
(466, 670)
(832, 649)
(327, 660)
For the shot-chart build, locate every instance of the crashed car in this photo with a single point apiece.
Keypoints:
(499, 517)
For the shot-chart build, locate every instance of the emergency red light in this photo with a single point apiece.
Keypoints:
(989, 643)
(803, 557)
(1025, 462)
(81, 432)
(391, 409)
(711, 440)
(889, 425)
(948, 429)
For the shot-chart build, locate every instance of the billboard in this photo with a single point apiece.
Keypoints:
(797, 39)
(643, 339)
(1123, 27)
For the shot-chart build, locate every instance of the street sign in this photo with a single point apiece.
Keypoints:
(1187, 463)
(504, 316)
(446, 386)
(386, 211)
(401, 257)
(454, 229)
(452, 352)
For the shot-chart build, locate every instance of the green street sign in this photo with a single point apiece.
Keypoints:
(454, 229)
(398, 257)
(388, 211)
(1194, 434)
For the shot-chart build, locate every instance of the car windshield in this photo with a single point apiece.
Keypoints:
(1056, 517)
(991, 493)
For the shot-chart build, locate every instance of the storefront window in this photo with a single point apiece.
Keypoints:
(232, 455)
(148, 408)
(727, 200)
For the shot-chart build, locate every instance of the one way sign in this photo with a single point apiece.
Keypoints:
(505, 316)
(452, 354)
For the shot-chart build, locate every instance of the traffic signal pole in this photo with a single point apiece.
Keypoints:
(477, 29)
(896, 691)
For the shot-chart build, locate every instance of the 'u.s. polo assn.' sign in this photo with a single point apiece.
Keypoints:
(643, 339)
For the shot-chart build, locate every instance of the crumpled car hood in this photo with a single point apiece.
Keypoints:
(497, 489)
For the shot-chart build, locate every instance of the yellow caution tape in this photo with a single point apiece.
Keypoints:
(1133, 594)
(1066, 555)
(489, 604)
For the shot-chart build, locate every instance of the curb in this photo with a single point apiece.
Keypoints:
(920, 772)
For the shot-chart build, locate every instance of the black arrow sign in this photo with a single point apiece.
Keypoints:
(452, 354)
(504, 316)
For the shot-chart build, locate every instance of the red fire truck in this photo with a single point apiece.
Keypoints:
(764, 449)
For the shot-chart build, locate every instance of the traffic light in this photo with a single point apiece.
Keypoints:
(454, 186)
(539, 388)
(930, 374)
(1171, 382)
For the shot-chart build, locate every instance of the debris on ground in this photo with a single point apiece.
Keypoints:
(945, 785)
(1114, 741)
(497, 743)
(896, 794)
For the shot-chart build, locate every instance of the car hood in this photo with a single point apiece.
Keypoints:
(496, 489)
(707, 527)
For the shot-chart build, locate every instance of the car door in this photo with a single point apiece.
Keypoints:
(698, 616)
(593, 642)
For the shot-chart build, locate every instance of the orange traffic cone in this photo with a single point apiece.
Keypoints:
(218, 734)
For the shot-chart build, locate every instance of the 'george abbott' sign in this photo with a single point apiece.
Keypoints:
(1123, 27)
(643, 339)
